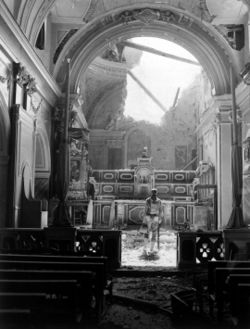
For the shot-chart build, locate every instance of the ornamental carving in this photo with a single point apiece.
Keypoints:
(149, 15)
(168, 16)
(26, 81)
(22, 77)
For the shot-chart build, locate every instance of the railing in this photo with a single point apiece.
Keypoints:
(197, 248)
(60, 240)
(193, 248)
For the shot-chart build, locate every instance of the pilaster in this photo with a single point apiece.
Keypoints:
(223, 158)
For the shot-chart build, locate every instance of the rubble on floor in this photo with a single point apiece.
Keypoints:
(133, 245)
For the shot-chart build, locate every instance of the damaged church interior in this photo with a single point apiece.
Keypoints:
(124, 164)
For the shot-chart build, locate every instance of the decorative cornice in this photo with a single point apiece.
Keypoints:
(144, 15)
(13, 40)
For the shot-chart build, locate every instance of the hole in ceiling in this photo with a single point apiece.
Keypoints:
(153, 82)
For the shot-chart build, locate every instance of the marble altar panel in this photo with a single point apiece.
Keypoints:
(125, 190)
(107, 188)
(108, 175)
(125, 176)
(163, 177)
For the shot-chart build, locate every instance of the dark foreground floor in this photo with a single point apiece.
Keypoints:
(140, 302)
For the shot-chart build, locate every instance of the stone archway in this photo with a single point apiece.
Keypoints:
(165, 21)
(170, 23)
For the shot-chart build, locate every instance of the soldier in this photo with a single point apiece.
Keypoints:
(152, 219)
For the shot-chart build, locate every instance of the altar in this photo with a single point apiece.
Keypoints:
(120, 198)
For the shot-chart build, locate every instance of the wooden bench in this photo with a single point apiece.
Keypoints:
(41, 296)
(239, 293)
(56, 263)
(56, 258)
(218, 271)
(64, 290)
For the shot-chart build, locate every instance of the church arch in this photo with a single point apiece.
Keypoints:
(170, 23)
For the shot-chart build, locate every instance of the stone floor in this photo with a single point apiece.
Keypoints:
(144, 302)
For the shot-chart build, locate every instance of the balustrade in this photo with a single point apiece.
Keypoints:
(197, 248)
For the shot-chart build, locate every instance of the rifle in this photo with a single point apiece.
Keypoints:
(158, 236)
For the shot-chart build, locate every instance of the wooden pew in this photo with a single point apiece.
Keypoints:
(41, 296)
(58, 263)
(220, 287)
(57, 258)
(239, 293)
(217, 281)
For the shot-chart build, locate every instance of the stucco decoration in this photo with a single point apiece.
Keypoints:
(26, 81)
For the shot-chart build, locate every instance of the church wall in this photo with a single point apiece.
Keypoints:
(173, 142)
(4, 136)
(17, 169)
(4, 162)
(106, 149)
